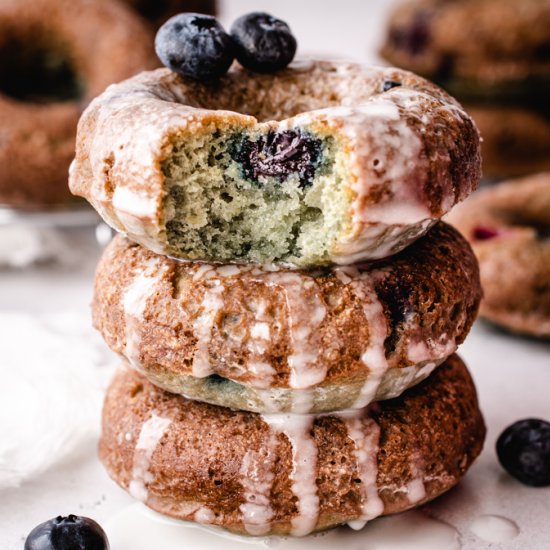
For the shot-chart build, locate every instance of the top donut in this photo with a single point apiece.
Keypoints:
(325, 162)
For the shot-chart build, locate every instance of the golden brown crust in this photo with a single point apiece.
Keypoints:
(412, 151)
(431, 435)
(37, 143)
(412, 310)
(508, 226)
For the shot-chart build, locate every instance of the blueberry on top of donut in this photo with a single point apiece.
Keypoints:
(263, 43)
(195, 45)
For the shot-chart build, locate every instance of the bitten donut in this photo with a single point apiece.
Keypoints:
(495, 48)
(290, 474)
(509, 229)
(321, 163)
(271, 339)
(55, 55)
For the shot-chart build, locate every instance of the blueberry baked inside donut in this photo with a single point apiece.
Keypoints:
(252, 196)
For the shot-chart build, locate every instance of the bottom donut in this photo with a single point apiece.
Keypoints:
(290, 474)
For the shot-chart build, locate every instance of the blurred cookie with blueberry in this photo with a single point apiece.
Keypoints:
(493, 56)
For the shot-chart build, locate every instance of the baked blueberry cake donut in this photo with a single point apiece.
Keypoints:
(320, 163)
(516, 138)
(474, 47)
(270, 339)
(290, 474)
(55, 55)
(493, 56)
(509, 229)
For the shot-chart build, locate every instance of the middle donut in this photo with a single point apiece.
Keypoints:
(271, 339)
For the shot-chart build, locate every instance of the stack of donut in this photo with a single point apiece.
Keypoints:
(272, 399)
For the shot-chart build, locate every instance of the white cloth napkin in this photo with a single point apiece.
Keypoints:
(53, 368)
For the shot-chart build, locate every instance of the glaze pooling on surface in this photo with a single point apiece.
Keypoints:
(297, 429)
(139, 528)
(151, 433)
(494, 528)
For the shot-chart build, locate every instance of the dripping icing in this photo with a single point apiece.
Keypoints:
(151, 433)
(257, 474)
(134, 303)
(297, 428)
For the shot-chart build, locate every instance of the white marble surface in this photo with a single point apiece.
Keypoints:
(512, 374)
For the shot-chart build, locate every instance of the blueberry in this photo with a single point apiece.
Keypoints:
(524, 451)
(389, 84)
(67, 533)
(279, 155)
(484, 233)
(263, 43)
(195, 45)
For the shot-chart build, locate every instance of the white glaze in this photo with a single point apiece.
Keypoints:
(493, 528)
(432, 350)
(416, 490)
(134, 203)
(204, 516)
(365, 434)
(297, 428)
(152, 431)
(203, 324)
(305, 311)
(138, 528)
(257, 479)
(135, 299)
(257, 343)
(374, 357)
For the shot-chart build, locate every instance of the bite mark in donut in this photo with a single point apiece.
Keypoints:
(321, 163)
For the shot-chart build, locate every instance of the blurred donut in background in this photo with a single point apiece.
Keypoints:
(55, 56)
(508, 226)
(493, 56)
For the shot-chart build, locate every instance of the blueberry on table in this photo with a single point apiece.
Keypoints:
(195, 45)
(263, 43)
(524, 451)
(67, 533)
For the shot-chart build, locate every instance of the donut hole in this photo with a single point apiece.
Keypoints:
(38, 70)
(255, 195)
